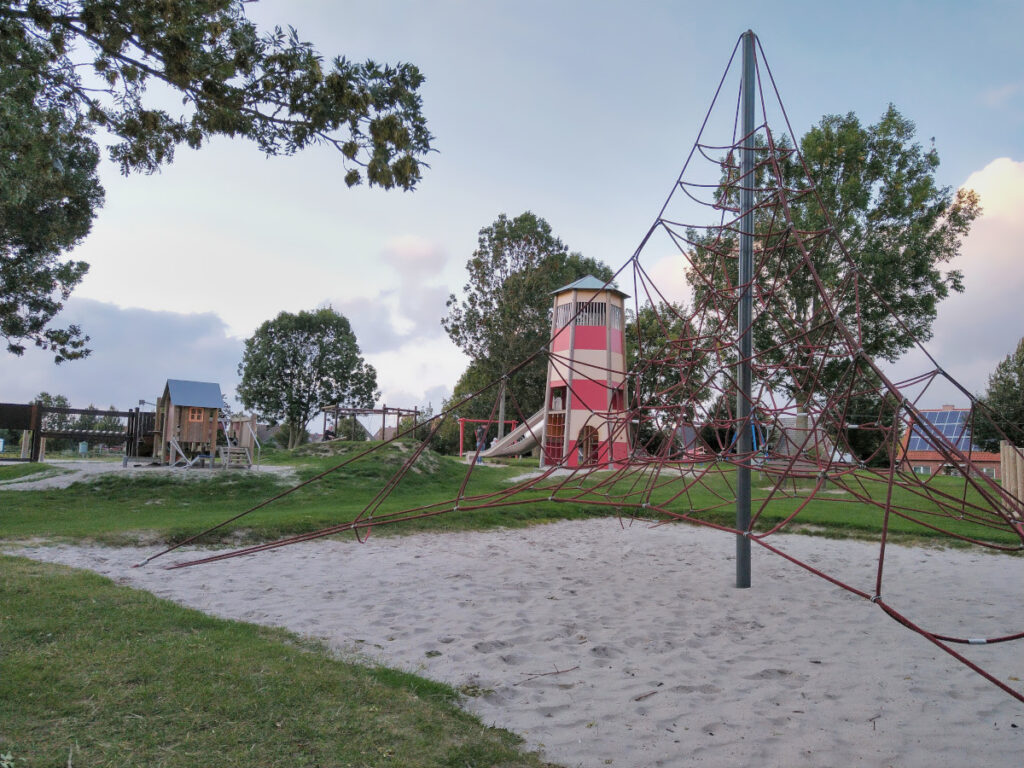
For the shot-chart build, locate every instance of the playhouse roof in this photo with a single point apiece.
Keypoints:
(197, 394)
(590, 283)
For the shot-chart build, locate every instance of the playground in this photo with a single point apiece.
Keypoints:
(598, 606)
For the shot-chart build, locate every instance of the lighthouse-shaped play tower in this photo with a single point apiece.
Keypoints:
(583, 422)
(584, 419)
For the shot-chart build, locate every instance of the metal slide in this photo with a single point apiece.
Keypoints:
(522, 439)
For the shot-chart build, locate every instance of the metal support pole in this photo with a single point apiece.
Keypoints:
(744, 317)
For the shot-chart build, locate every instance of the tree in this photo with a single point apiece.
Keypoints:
(70, 67)
(898, 228)
(504, 315)
(56, 422)
(669, 371)
(87, 422)
(421, 428)
(109, 422)
(1002, 418)
(296, 364)
(49, 192)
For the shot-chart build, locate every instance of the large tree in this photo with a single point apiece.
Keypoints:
(72, 67)
(504, 315)
(880, 251)
(296, 364)
(1002, 418)
(669, 366)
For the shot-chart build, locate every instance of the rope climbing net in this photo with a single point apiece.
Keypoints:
(830, 430)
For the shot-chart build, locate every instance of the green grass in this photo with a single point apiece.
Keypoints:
(169, 508)
(93, 674)
(23, 469)
(117, 509)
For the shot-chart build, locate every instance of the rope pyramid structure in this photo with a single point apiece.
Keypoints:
(823, 429)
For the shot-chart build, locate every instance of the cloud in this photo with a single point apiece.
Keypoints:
(420, 372)
(134, 352)
(415, 255)
(1002, 95)
(409, 306)
(978, 328)
(668, 274)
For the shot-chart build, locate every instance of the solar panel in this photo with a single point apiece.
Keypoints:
(951, 424)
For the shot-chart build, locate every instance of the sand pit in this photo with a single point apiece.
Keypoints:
(611, 646)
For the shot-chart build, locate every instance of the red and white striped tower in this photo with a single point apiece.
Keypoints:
(585, 423)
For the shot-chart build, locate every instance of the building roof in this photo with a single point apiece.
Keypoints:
(590, 283)
(197, 394)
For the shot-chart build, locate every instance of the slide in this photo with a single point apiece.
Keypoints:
(522, 439)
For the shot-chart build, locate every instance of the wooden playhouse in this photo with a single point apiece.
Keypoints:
(187, 420)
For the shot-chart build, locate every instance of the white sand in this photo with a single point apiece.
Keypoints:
(665, 663)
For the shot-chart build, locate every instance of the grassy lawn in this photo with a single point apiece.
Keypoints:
(23, 469)
(93, 674)
(169, 508)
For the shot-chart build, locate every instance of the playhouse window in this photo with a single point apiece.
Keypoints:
(196, 414)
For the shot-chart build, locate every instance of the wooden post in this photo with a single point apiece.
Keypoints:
(37, 426)
(1011, 470)
(1018, 464)
(26, 443)
(1004, 467)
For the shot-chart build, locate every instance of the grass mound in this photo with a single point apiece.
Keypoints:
(391, 455)
(9, 472)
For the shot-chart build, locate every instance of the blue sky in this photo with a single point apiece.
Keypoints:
(581, 112)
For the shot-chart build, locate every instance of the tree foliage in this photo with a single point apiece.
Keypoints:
(472, 380)
(504, 315)
(49, 192)
(669, 369)
(56, 422)
(296, 364)
(1002, 418)
(899, 228)
(69, 68)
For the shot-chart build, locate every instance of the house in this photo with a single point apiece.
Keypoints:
(187, 420)
(953, 423)
(385, 433)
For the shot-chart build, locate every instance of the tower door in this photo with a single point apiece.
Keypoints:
(587, 444)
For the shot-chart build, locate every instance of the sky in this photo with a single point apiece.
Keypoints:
(581, 112)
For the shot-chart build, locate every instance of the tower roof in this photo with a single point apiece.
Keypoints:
(590, 283)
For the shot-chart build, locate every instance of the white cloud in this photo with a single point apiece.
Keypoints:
(667, 274)
(413, 254)
(409, 301)
(977, 329)
(1002, 95)
(418, 372)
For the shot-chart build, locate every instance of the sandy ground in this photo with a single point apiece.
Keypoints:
(605, 645)
(63, 473)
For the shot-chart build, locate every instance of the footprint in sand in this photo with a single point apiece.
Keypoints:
(605, 652)
(486, 646)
